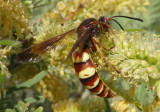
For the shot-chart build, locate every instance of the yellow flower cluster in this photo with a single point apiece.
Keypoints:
(96, 8)
(53, 88)
(13, 17)
(120, 105)
(136, 57)
(91, 104)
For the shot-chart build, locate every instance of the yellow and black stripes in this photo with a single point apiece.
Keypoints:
(86, 72)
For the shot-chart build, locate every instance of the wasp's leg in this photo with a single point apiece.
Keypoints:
(102, 55)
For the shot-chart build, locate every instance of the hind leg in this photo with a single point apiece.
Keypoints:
(102, 55)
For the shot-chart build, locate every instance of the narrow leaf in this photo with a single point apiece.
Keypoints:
(7, 42)
(107, 105)
(1, 80)
(39, 99)
(155, 2)
(32, 81)
(28, 83)
(39, 109)
(133, 30)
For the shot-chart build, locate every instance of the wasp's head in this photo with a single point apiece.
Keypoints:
(103, 19)
(105, 22)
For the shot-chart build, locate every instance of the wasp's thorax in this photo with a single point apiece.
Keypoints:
(92, 27)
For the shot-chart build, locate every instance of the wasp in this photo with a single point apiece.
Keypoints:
(87, 38)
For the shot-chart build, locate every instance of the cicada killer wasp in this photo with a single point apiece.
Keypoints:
(88, 32)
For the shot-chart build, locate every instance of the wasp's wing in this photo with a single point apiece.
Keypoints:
(31, 53)
(80, 40)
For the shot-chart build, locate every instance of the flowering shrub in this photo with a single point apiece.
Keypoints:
(51, 81)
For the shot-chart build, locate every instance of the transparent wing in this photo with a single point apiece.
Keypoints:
(30, 54)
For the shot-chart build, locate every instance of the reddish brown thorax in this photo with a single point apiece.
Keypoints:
(92, 27)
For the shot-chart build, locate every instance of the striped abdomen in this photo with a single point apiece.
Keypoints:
(86, 72)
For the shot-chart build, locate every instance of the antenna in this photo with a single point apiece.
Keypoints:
(118, 23)
(138, 19)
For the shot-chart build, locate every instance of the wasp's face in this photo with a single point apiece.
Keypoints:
(104, 24)
(103, 19)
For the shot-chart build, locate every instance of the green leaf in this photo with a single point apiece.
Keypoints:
(151, 17)
(7, 42)
(39, 109)
(39, 99)
(33, 81)
(23, 107)
(144, 95)
(133, 30)
(9, 110)
(28, 83)
(20, 107)
(1, 80)
(107, 105)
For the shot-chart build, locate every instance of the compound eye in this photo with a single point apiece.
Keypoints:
(101, 19)
(105, 20)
